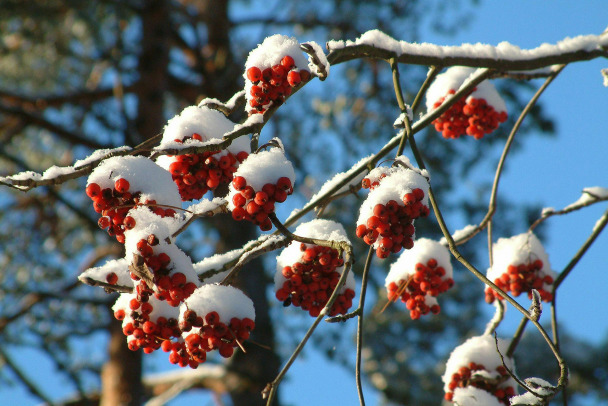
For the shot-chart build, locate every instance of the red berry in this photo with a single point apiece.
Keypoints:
(254, 74)
(93, 190)
(121, 185)
(287, 62)
(293, 78)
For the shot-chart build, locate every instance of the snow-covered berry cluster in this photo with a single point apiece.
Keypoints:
(307, 274)
(419, 276)
(263, 179)
(398, 196)
(147, 325)
(216, 317)
(158, 268)
(271, 71)
(520, 265)
(161, 276)
(474, 371)
(480, 113)
(196, 174)
(115, 189)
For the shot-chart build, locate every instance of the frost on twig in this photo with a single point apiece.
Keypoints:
(590, 195)
(59, 174)
(317, 61)
(536, 306)
(235, 102)
(539, 393)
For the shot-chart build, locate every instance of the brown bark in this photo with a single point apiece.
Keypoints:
(121, 374)
(153, 69)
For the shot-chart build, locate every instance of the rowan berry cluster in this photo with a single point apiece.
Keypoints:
(310, 282)
(390, 227)
(523, 278)
(170, 285)
(473, 116)
(272, 85)
(205, 333)
(476, 375)
(255, 206)
(429, 279)
(478, 113)
(419, 276)
(263, 179)
(520, 265)
(143, 325)
(115, 191)
(196, 174)
(476, 370)
(114, 204)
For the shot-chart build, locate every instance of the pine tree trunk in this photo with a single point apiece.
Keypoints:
(121, 374)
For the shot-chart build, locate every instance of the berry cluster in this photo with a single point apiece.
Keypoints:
(206, 333)
(391, 226)
(476, 375)
(171, 286)
(142, 329)
(255, 205)
(473, 116)
(373, 179)
(273, 85)
(196, 174)
(427, 280)
(114, 204)
(523, 278)
(310, 282)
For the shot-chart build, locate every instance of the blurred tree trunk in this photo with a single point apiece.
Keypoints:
(250, 372)
(121, 374)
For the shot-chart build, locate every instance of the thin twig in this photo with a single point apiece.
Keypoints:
(269, 391)
(499, 168)
(368, 262)
(507, 148)
(404, 113)
(33, 389)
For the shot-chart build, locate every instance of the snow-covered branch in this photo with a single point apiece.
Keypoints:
(502, 57)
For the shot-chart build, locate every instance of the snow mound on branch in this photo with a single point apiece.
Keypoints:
(227, 301)
(154, 182)
(453, 79)
(120, 267)
(421, 252)
(208, 123)
(520, 249)
(472, 396)
(262, 168)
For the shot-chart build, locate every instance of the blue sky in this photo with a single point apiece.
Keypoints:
(548, 171)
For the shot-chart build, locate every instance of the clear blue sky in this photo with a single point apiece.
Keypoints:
(550, 172)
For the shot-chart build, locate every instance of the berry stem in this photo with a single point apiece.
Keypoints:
(399, 94)
(492, 205)
(368, 261)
